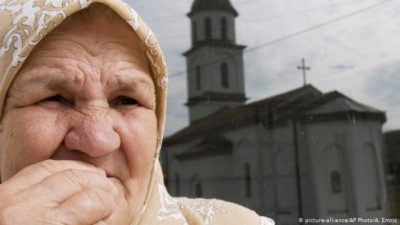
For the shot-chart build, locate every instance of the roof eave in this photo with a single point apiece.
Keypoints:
(230, 10)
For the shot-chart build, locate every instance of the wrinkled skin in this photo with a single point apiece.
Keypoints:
(78, 133)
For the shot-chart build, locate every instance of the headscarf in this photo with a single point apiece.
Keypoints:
(24, 23)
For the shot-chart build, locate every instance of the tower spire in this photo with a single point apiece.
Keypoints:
(205, 5)
(215, 62)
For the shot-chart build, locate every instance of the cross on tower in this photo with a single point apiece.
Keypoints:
(304, 69)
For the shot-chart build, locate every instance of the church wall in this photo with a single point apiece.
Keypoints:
(175, 173)
(246, 152)
(206, 58)
(196, 171)
(368, 162)
(330, 152)
(223, 176)
(309, 202)
(211, 79)
(235, 65)
(341, 167)
(279, 144)
(206, 108)
(199, 58)
(323, 148)
(275, 194)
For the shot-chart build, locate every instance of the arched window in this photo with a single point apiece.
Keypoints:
(207, 28)
(199, 190)
(198, 78)
(224, 75)
(336, 182)
(194, 31)
(224, 29)
(335, 175)
(247, 179)
(177, 184)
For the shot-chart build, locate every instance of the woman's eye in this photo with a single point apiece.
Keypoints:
(123, 100)
(55, 98)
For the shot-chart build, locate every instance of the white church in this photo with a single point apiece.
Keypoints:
(299, 154)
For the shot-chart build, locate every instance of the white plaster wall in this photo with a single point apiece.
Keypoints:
(351, 136)
(210, 59)
(223, 176)
(280, 155)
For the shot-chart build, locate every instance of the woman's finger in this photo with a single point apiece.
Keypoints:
(35, 173)
(88, 207)
(59, 186)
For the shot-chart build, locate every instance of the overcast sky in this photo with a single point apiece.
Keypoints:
(358, 55)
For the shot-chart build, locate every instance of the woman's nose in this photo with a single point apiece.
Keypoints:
(93, 134)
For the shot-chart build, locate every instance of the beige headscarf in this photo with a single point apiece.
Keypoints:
(23, 25)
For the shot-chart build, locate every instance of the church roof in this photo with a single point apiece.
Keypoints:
(202, 5)
(211, 145)
(336, 102)
(306, 103)
(244, 115)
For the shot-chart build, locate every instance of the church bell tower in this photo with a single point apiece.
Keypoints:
(214, 62)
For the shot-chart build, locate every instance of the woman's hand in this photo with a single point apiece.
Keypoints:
(62, 192)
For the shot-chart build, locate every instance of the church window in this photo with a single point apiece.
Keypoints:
(336, 182)
(194, 31)
(224, 29)
(199, 190)
(198, 78)
(207, 26)
(177, 183)
(247, 179)
(224, 75)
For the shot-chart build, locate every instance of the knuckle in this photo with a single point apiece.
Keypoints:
(92, 202)
(72, 175)
(48, 166)
(97, 195)
(72, 178)
(99, 199)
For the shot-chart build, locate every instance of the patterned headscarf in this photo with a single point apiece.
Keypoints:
(23, 25)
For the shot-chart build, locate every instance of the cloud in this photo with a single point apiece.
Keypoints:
(357, 56)
(384, 86)
(342, 67)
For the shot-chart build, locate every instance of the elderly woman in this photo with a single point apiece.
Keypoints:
(82, 102)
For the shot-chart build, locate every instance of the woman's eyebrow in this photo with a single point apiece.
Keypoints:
(124, 81)
(129, 80)
(51, 78)
(37, 77)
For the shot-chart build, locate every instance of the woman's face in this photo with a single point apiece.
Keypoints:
(85, 94)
